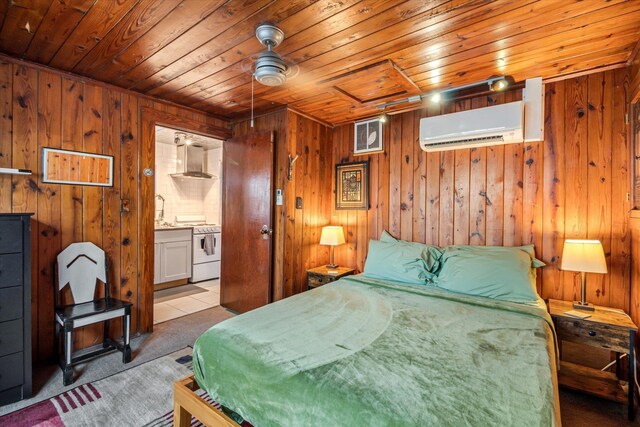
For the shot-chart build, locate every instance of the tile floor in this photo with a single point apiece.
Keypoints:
(180, 301)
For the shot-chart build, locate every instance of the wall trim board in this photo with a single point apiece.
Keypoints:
(78, 77)
(634, 53)
(584, 72)
(278, 109)
(163, 118)
(259, 114)
(310, 117)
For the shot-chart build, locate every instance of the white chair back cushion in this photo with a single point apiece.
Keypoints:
(79, 265)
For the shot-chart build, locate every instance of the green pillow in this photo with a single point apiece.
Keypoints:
(396, 262)
(431, 254)
(502, 273)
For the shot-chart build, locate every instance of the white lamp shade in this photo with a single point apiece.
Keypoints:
(583, 255)
(332, 235)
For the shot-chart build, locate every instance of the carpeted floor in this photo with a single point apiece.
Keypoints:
(108, 402)
(167, 338)
(577, 409)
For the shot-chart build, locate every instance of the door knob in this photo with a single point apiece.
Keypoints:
(266, 232)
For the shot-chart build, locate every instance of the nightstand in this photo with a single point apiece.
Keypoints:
(607, 328)
(322, 275)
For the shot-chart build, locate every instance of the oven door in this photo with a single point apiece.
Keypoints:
(199, 255)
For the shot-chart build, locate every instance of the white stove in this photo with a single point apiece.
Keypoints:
(206, 247)
(206, 228)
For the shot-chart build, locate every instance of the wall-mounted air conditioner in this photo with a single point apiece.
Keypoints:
(498, 124)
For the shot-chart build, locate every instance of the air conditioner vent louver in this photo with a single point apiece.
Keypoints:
(499, 124)
(499, 139)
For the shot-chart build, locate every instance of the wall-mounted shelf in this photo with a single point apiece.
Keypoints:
(10, 171)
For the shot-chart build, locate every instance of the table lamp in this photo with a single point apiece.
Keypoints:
(332, 235)
(585, 256)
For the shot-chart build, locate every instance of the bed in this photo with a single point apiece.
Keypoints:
(363, 351)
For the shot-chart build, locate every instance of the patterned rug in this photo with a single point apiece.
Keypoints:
(140, 396)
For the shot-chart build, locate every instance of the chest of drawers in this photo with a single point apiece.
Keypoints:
(15, 307)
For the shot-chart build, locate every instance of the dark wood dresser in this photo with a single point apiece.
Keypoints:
(15, 307)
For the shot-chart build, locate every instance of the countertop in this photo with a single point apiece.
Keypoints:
(168, 228)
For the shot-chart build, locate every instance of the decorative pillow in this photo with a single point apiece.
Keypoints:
(431, 254)
(397, 262)
(502, 273)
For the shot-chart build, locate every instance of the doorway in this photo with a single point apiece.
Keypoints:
(187, 243)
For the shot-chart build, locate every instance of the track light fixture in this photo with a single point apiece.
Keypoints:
(495, 84)
(498, 85)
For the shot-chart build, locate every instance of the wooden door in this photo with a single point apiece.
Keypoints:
(247, 189)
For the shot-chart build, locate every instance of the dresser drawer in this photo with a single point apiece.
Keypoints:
(10, 236)
(594, 334)
(11, 337)
(11, 371)
(315, 281)
(10, 270)
(10, 303)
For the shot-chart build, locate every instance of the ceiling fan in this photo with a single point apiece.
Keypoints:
(268, 67)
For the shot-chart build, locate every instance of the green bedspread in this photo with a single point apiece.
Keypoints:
(362, 352)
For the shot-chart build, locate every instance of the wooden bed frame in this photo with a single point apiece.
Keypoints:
(186, 403)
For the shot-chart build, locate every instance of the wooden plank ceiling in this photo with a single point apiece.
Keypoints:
(352, 55)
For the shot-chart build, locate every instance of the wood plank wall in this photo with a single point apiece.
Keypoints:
(42, 108)
(297, 231)
(633, 98)
(573, 184)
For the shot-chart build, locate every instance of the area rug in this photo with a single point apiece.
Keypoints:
(140, 396)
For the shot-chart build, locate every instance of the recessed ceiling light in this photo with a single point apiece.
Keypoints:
(501, 62)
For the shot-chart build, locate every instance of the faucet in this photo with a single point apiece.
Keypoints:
(161, 216)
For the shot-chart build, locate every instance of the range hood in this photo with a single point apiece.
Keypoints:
(191, 162)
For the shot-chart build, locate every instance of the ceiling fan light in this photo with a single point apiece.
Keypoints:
(271, 70)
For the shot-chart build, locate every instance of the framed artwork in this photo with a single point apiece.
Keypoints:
(367, 137)
(352, 186)
(76, 168)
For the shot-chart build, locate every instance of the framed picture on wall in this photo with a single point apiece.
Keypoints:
(352, 186)
(76, 168)
(367, 137)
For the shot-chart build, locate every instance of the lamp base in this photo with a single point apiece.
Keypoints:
(586, 306)
(332, 266)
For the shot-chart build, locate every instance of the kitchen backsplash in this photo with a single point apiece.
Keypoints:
(187, 196)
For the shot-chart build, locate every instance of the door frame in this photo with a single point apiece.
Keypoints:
(150, 118)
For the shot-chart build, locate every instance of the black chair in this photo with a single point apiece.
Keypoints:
(81, 266)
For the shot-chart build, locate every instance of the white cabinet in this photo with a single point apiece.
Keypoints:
(172, 259)
(176, 261)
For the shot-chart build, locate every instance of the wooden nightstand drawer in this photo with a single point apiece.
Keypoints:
(322, 275)
(314, 281)
(593, 334)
